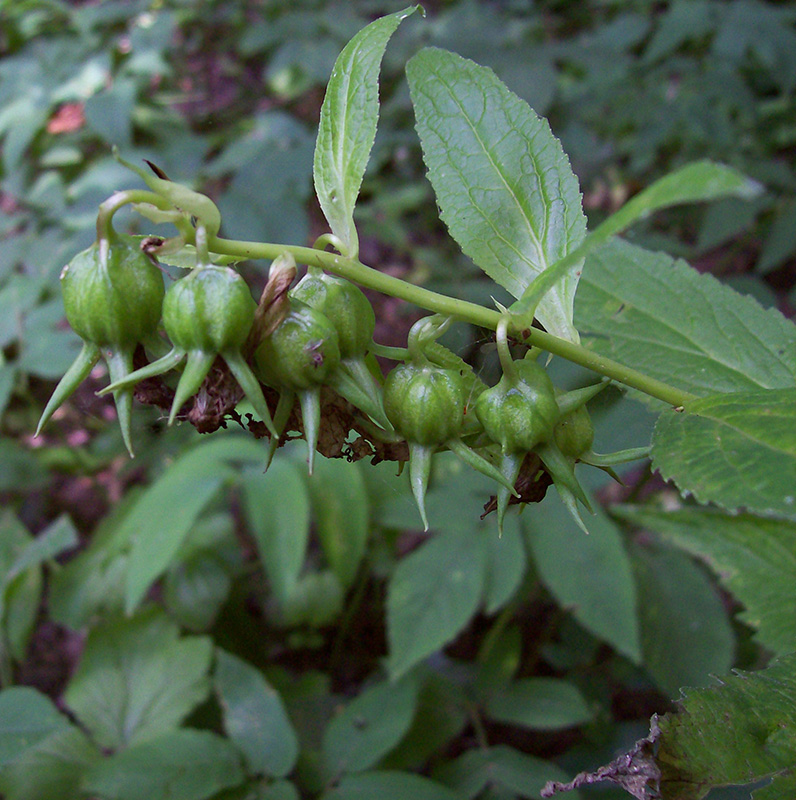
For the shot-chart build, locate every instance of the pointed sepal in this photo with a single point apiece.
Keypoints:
(168, 362)
(577, 398)
(562, 470)
(510, 465)
(310, 401)
(251, 387)
(120, 364)
(74, 376)
(353, 380)
(479, 463)
(197, 365)
(419, 472)
(283, 408)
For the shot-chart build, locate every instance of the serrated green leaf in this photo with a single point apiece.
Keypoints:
(164, 514)
(340, 508)
(662, 317)
(685, 634)
(505, 567)
(53, 770)
(137, 679)
(277, 508)
(591, 576)
(783, 785)
(736, 450)
(181, 765)
(544, 704)
(27, 717)
(254, 717)
(389, 785)
(696, 182)
(432, 595)
(736, 733)
(503, 183)
(754, 558)
(370, 726)
(347, 130)
(501, 766)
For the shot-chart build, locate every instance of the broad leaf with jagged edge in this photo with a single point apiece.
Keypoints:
(137, 679)
(504, 186)
(753, 557)
(347, 129)
(695, 182)
(740, 732)
(736, 450)
(660, 316)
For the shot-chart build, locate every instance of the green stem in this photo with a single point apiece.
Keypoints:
(463, 310)
(120, 199)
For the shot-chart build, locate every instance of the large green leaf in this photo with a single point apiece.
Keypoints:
(165, 513)
(255, 717)
(278, 512)
(370, 726)
(347, 130)
(388, 785)
(27, 717)
(432, 595)
(685, 634)
(539, 703)
(505, 566)
(754, 558)
(53, 770)
(181, 765)
(699, 181)
(590, 576)
(340, 508)
(662, 317)
(504, 186)
(521, 774)
(736, 450)
(138, 679)
(736, 733)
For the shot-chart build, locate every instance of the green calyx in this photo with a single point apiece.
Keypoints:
(206, 314)
(301, 352)
(424, 403)
(521, 411)
(112, 293)
(344, 305)
(574, 433)
(112, 296)
(210, 309)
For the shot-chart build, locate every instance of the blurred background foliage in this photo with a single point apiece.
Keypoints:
(225, 95)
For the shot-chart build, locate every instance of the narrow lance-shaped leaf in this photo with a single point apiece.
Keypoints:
(505, 187)
(347, 129)
(697, 182)
(736, 450)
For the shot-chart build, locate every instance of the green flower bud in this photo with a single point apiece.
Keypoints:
(115, 302)
(521, 411)
(424, 403)
(574, 433)
(301, 352)
(211, 309)
(344, 304)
